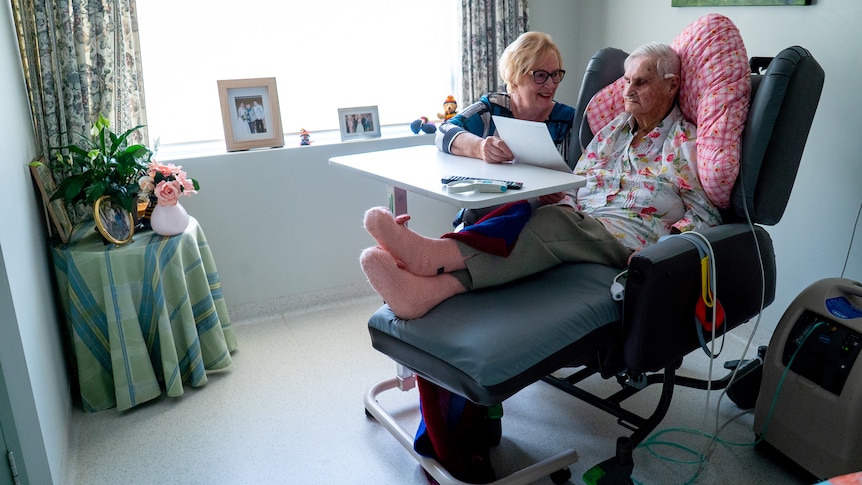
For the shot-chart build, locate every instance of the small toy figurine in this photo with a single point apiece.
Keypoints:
(422, 124)
(450, 108)
(304, 137)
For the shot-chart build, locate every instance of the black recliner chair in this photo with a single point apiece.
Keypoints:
(487, 345)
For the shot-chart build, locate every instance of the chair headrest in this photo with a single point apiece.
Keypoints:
(604, 68)
(780, 118)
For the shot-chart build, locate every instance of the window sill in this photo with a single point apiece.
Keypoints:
(179, 151)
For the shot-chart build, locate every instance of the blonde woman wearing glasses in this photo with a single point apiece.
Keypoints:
(532, 68)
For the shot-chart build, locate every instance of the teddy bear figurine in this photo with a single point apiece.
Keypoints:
(450, 108)
(304, 137)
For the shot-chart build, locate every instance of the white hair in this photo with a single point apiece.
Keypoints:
(665, 59)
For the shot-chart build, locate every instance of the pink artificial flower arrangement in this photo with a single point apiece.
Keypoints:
(165, 184)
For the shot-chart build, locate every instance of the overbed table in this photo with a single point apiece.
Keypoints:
(419, 170)
(141, 314)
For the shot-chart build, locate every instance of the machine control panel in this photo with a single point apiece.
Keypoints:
(827, 355)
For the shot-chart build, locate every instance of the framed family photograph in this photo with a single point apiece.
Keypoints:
(356, 123)
(250, 113)
(56, 208)
(114, 223)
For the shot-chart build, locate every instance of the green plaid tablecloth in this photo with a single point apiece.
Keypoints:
(142, 316)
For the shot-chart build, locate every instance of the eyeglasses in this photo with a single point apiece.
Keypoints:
(540, 77)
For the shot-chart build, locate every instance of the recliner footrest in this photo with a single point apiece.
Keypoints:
(488, 345)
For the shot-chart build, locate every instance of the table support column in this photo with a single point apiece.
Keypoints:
(397, 200)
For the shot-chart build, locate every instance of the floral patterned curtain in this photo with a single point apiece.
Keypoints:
(81, 59)
(488, 26)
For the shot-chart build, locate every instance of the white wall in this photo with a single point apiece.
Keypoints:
(284, 225)
(576, 27)
(30, 342)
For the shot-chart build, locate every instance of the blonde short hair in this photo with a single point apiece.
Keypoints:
(522, 54)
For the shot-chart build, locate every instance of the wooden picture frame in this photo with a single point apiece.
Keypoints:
(250, 113)
(737, 3)
(56, 209)
(357, 123)
(114, 222)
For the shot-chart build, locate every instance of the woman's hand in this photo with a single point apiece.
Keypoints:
(491, 149)
(494, 150)
(551, 198)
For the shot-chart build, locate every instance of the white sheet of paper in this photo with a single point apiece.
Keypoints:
(530, 142)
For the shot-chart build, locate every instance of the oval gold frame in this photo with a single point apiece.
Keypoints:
(106, 231)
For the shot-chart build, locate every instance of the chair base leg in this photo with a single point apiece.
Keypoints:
(614, 471)
(618, 470)
(530, 474)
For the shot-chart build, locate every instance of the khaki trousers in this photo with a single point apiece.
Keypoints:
(554, 235)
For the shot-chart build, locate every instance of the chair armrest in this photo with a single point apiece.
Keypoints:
(664, 284)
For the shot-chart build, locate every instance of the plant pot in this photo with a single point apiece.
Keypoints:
(169, 220)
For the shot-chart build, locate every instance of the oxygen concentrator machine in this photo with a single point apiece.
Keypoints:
(810, 402)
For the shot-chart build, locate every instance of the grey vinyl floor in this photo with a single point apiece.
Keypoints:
(289, 410)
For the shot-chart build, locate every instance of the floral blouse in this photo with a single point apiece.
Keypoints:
(642, 189)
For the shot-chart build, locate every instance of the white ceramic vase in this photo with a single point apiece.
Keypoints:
(169, 220)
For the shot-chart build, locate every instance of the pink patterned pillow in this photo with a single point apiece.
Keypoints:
(715, 95)
(606, 105)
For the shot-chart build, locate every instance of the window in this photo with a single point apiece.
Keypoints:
(327, 54)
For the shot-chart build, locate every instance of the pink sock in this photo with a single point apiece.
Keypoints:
(420, 255)
(409, 296)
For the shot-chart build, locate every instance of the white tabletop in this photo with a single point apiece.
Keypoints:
(419, 170)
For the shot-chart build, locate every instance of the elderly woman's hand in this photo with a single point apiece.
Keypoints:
(494, 150)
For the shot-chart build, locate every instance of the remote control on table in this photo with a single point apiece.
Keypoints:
(458, 178)
(470, 185)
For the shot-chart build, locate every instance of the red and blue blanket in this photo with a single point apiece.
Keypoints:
(498, 231)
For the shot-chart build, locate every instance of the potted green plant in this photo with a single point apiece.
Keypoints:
(101, 164)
